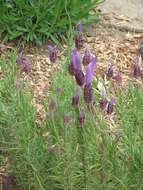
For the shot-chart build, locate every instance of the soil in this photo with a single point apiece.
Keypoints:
(114, 39)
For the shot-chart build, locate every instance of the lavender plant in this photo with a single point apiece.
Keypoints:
(67, 151)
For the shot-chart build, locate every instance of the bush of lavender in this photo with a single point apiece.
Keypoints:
(92, 135)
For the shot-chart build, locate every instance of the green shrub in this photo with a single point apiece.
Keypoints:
(35, 20)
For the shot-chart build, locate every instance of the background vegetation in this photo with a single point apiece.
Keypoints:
(37, 20)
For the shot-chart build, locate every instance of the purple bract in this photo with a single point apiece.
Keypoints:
(53, 54)
(90, 71)
(87, 57)
(110, 105)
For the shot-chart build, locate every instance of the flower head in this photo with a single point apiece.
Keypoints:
(52, 105)
(103, 101)
(59, 90)
(75, 99)
(110, 105)
(78, 40)
(81, 116)
(87, 57)
(26, 66)
(66, 118)
(19, 58)
(118, 76)
(53, 54)
(18, 85)
(110, 71)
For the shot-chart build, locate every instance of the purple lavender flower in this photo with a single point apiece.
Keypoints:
(80, 79)
(110, 105)
(88, 94)
(18, 85)
(53, 54)
(81, 117)
(87, 57)
(103, 101)
(26, 66)
(90, 71)
(66, 118)
(110, 71)
(135, 71)
(19, 59)
(59, 90)
(52, 105)
(118, 76)
(74, 65)
(75, 99)
(78, 41)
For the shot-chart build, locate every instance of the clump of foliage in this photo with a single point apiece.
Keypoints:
(35, 20)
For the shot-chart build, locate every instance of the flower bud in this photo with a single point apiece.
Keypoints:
(118, 76)
(66, 118)
(59, 90)
(81, 116)
(110, 71)
(26, 66)
(103, 101)
(53, 54)
(19, 59)
(78, 41)
(52, 105)
(18, 85)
